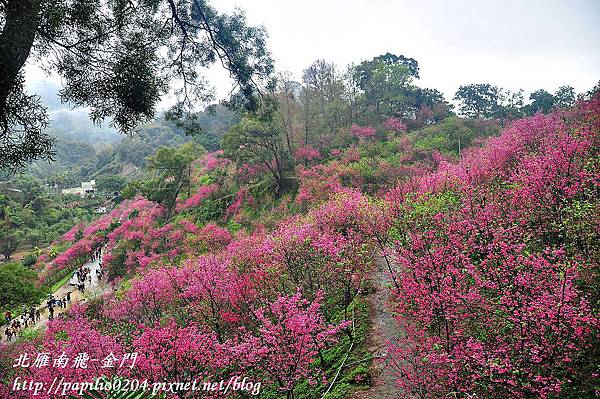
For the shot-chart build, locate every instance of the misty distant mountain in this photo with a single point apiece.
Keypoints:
(75, 125)
(84, 151)
(72, 124)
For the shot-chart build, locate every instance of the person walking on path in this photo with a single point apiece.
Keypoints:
(16, 327)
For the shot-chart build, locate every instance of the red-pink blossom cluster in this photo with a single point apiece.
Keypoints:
(79, 252)
(255, 305)
(201, 194)
(213, 160)
(319, 182)
(73, 257)
(494, 260)
(70, 235)
(307, 153)
(246, 172)
(395, 125)
(491, 275)
(362, 132)
(214, 237)
(242, 197)
(228, 323)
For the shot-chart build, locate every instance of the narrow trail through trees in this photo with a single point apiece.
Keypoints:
(384, 329)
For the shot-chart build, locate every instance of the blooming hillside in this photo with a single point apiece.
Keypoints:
(493, 257)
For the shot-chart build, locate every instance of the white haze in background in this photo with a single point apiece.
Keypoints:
(514, 44)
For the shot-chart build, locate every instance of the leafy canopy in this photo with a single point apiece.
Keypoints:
(117, 57)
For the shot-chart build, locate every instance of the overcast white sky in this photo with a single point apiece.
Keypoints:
(514, 44)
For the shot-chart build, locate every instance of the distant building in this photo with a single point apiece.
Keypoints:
(10, 191)
(87, 189)
(89, 186)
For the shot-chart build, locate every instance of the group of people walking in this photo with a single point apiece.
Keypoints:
(84, 274)
(30, 316)
(15, 326)
(52, 303)
(97, 254)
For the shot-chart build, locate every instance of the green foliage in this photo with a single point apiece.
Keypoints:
(57, 280)
(381, 149)
(17, 286)
(321, 101)
(29, 260)
(208, 210)
(34, 214)
(118, 268)
(9, 242)
(544, 102)
(233, 226)
(367, 169)
(29, 334)
(386, 81)
(387, 84)
(479, 100)
(257, 142)
(541, 101)
(33, 237)
(57, 249)
(453, 134)
(110, 184)
(486, 101)
(418, 212)
(170, 174)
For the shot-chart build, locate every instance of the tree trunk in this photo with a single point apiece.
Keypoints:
(16, 40)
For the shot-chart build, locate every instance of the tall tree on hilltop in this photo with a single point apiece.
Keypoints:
(565, 97)
(541, 101)
(322, 97)
(257, 142)
(387, 84)
(480, 100)
(545, 102)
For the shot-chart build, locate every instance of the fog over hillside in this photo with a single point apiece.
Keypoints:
(67, 122)
(83, 150)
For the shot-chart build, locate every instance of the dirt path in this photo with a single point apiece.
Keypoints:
(20, 253)
(93, 288)
(384, 329)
